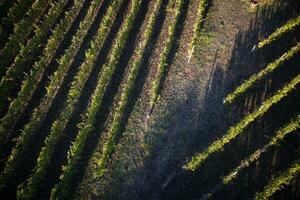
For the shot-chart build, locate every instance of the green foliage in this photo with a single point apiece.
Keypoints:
(293, 125)
(14, 73)
(47, 154)
(18, 52)
(256, 77)
(30, 83)
(21, 32)
(75, 152)
(163, 60)
(236, 130)
(202, 7)
(107, 71)
(24, 140)
(109, 145)
(281, 180)
(289, 26)
(16, 12)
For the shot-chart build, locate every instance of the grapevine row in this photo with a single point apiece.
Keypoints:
(293, 125)
(29, 132)
(21, 33)
(104, 81)
(163, 60)
(109, 145)
(16, 12)
(30, 83)
(283, 179)
(62, 189)
(236, 130)
(4, 8)
(256, 77)
(289, 26)
(58, 127)
(14, 74)
(203, 4)
(108, 69)
(11, 12)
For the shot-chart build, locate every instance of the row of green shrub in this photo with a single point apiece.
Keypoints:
(126, 91)
(279, 182)
(256, 77)
(203, 4)
(63, 188)
(21, 32)
(15, 72)
(289, 26)
(46, 154)
(31, 81)
(57, 130)
(236, 130)
(290, 127)
(15, 13)
(30, 131)
(163, 60)
(105, 77)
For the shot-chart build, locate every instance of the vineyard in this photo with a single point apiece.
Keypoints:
(149, 99)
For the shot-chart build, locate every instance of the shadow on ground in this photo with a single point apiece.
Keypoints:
(165, 178)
